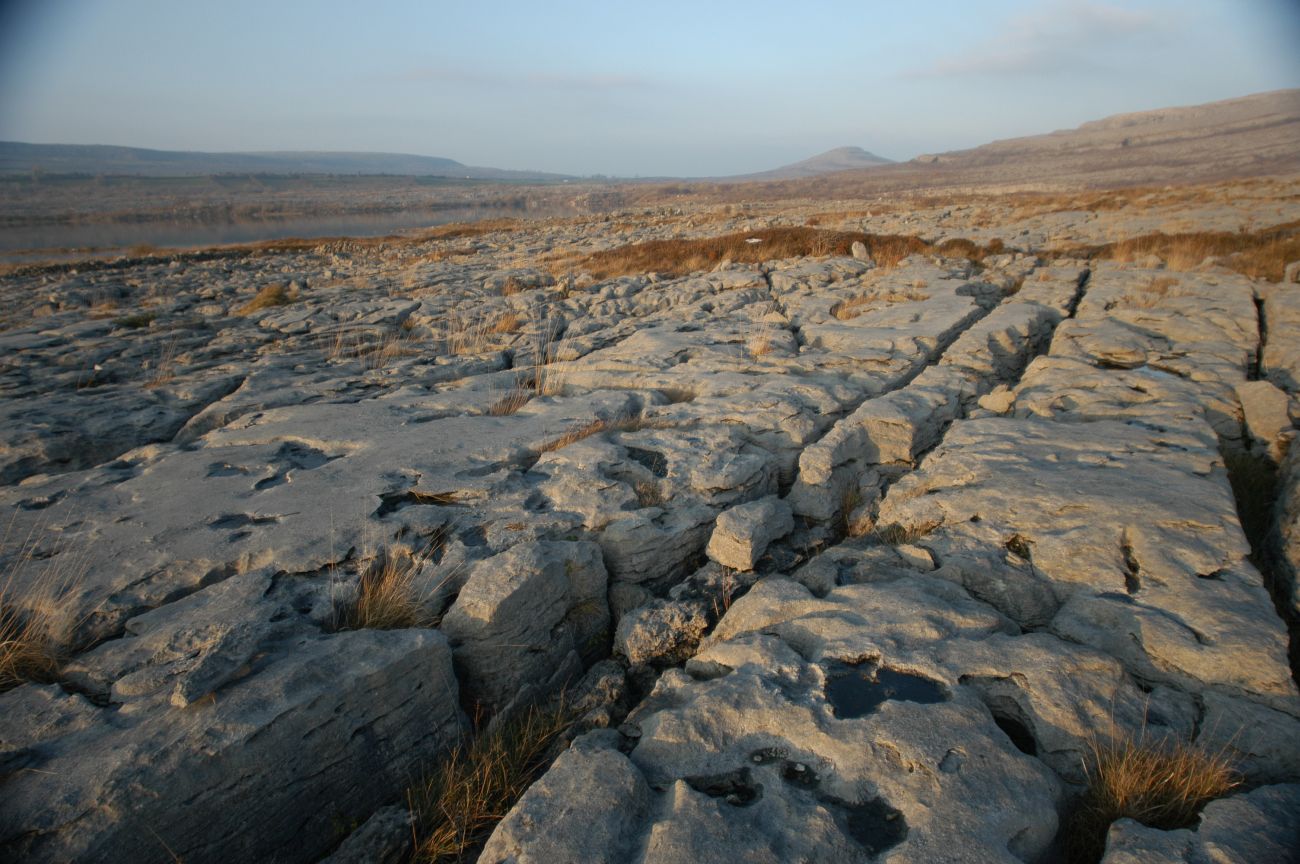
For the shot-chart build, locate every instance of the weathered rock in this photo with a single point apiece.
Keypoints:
(588, 807)
(761, 750)
(664, 633)
(1265, 410)
(524, 618)
(1260, 825)
(1119, 536)
(1285, 537)
(328, 730)
(743, 532)
(384, 838)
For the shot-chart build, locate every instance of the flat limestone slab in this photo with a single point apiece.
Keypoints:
(1115, 535)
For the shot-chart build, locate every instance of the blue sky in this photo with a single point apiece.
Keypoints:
(625, 88)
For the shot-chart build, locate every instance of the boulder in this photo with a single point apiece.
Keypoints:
(743, 532)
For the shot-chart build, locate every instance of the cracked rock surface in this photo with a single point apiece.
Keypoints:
(850, 562)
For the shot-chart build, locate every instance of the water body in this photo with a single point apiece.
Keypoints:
(37, 241)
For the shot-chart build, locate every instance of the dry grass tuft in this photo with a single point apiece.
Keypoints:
(1160, 784)
(597, 426)
(548, 379)
(387, 597)
(648, 493)
(270, 296)
(164, 368)
(457, 807)
(510, 403)
(36, 623)
(507, 322)
(464, 335)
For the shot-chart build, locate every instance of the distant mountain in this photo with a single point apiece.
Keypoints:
(839, 159)
(19, 158)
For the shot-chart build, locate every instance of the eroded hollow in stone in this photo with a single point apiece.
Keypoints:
(874, 824)
(1018, 732)
(857, 689)
(735, 787)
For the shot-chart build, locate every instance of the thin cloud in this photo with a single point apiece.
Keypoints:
(1060, 38)
(469, 77)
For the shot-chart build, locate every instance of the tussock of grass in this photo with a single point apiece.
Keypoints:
(510, 403)
(508, 322)
(1160, 784)
(457, 807)
(387, 597)
(36, 624)
(269, 297)
(31, 644)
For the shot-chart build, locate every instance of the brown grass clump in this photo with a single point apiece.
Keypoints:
(36, 623)
(1258, 254)
(761, 344)
(387, 598)
(510, 403)
(31, 642)
(270, 296)
(507, 322)
(457, 807)
(679, 256)
(1160, 784)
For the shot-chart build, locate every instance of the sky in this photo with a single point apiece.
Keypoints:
(699, 88)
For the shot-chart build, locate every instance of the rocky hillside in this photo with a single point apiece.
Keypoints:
(838, 558)
(1248, 137)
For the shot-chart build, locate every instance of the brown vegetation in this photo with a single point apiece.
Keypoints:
(681, 256)
(508, 322)
(269, 297)
(1258, 254)
(1160, 784)
(597, 426)
(846, 310)
(37, 622)
(457, 806)
(387, 598)
(510, 403)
